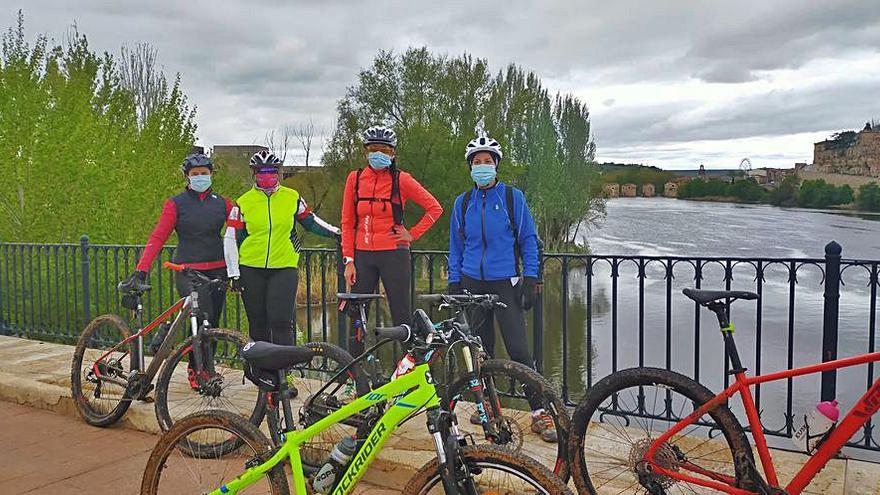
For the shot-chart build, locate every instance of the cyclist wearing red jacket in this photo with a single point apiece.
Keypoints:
(375, 243)
(198, 215)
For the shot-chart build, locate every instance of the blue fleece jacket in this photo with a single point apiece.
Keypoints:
(486, 251)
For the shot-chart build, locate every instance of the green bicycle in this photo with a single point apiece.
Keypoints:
(175, 466)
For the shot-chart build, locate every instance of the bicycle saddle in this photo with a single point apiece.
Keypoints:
(268, 356)
(354, 297)
(706, 296)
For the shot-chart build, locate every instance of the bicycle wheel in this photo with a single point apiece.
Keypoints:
(99, 391)
(514, 383)
(307, 379)
(178, 394)
(625, 411)
(494, 470)
(171, 471)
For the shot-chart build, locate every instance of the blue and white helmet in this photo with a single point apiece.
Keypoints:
(379, 134)
(482, 143)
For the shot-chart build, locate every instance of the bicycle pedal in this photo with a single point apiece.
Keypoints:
(148, 400)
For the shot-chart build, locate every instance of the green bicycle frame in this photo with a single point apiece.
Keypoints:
(407, 394)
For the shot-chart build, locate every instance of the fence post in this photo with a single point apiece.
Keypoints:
(830, 320)
(341, 327)
(538, 315)
(84, 268)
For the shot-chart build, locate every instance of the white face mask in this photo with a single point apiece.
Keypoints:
(199, 183)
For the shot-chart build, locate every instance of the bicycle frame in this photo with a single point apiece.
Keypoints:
(183, 308)
(407, 394)
(866, 406)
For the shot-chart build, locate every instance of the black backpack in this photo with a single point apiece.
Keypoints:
(465, 201)
(396, 202)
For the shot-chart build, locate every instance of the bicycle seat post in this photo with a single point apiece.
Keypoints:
(284, 396)
(721, 312)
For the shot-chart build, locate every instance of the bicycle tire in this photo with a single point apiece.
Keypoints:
(233, 378)
(726, 422)
(248, 434)
(86, 340)
(485, 457)
(522, 374)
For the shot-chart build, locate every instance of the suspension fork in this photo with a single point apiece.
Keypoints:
(476, 385)
(137, 351)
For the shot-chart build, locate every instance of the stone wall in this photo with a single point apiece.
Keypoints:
(856, 154)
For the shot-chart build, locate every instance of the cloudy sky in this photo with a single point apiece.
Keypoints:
(669, 83)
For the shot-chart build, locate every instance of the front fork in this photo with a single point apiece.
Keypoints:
(447, 441)
(480, 398)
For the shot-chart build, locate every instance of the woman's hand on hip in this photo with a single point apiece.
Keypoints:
(350, 274)
(400, 234)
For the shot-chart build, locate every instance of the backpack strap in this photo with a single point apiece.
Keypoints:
(396, 201)
(357, 198)
(511, 216)
(465, 201)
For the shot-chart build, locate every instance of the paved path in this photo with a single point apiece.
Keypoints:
(47, 453)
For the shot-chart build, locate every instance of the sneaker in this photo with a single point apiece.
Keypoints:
(543, 425)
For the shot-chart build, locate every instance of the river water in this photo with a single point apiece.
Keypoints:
(790, 310)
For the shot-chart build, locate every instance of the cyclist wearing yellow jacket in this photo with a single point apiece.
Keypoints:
(262, 250)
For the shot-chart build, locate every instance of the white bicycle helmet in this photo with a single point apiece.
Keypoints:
(482, 143)
(265, 158)
(379, 134)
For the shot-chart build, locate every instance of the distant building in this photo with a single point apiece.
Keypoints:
(628, 190)
(612, 190)
(648, 190)
(670, 189)
(235, 156)
(758, 175)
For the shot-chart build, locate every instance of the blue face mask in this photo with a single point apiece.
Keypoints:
(483, 175)
(200, 183)
(379, 160)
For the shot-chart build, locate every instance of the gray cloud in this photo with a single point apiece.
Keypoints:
(252, 65)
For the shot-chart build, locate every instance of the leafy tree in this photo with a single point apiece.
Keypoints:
(786, 193)
(869, 197)
(820, 194)
(74, 158)
(433, 102)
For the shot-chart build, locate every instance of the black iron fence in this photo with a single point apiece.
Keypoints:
(598, 313)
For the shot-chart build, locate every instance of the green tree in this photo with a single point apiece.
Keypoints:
(786, 193)
(433, 102)
(869, 197)
(73, 157)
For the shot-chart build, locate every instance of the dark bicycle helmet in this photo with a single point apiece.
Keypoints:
(380, 135)
(196, 160)
(265, 158)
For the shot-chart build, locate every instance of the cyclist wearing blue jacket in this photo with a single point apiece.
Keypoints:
(491, 228)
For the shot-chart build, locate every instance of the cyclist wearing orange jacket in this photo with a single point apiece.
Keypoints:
(375, 243)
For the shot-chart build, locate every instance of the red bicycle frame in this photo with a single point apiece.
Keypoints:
(867, 405)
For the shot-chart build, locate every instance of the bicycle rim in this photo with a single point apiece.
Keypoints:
(202, 467)
(99, 391)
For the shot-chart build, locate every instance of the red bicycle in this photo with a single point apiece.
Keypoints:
(630, 452)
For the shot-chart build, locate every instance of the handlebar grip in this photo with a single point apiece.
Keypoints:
(401, 333)
(432, 298)
(173, 266)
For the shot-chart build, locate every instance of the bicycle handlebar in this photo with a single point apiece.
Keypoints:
(400, 333)
(464, 300)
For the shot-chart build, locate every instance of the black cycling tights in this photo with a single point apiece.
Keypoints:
(211, 298)
(392, 267)
(270, 303)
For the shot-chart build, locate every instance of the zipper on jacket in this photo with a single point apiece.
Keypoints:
(485, 243)
(269, 240)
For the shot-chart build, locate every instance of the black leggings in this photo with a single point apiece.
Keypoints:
(393, 268)
(511, 322)
(269, 298)
(211, 298)
(511, 319)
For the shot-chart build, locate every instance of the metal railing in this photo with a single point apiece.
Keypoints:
(598, 313)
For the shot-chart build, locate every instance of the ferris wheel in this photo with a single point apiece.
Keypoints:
(745, 166)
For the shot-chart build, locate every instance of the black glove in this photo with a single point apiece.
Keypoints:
(235, 285)
(140, 276)
(531, 288)
(454, 288)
